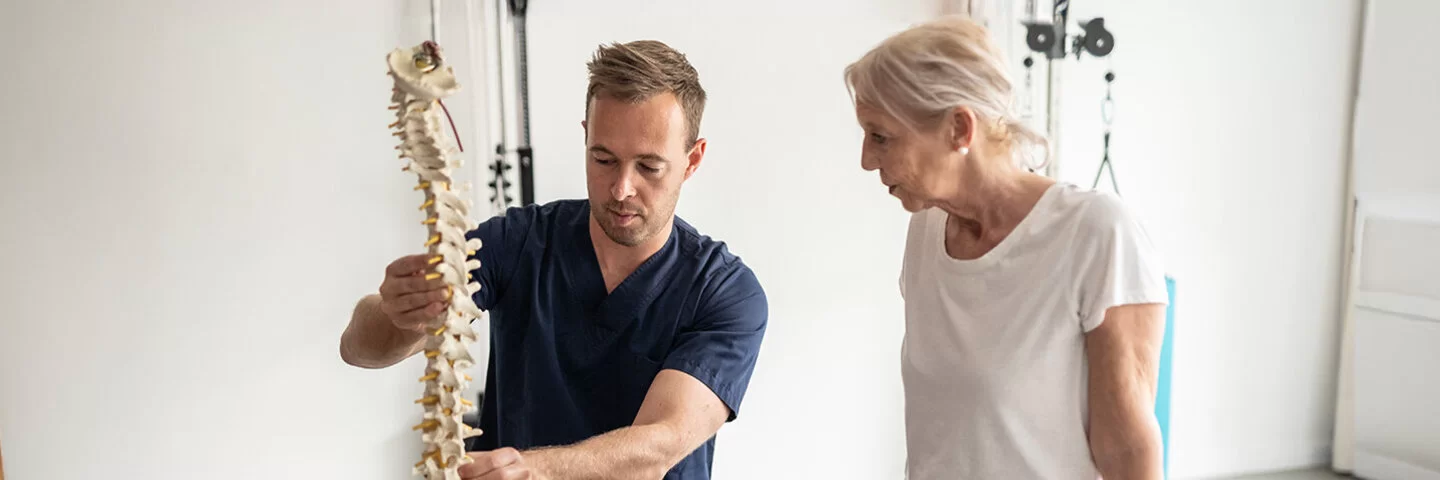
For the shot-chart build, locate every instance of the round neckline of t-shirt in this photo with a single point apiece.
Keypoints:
(995, 254)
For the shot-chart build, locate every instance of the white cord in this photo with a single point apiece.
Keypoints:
(435, 21)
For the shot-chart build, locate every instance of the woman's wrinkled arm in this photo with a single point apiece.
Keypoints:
(1124, 357)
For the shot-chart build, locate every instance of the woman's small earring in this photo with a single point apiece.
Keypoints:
(964, 151)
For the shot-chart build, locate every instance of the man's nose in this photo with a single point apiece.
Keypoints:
(624, 186)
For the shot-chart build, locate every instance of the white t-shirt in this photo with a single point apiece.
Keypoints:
(993, 359)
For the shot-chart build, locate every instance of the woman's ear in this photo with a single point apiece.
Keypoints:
(962, 122)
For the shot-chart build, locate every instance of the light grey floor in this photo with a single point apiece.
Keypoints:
(1316, 474)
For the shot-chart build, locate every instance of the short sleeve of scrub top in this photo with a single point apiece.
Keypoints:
(720, 348)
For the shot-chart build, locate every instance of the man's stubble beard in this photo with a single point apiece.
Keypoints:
(651, 223)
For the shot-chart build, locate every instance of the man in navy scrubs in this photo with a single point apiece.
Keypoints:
(621, 337)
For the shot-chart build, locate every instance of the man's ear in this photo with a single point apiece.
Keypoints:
(697, 153)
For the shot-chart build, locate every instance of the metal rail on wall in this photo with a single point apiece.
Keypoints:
(523, 153)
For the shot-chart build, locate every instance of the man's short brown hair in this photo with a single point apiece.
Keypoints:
(639, 70)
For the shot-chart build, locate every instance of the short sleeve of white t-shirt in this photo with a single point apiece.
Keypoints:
(993, 360)
(1121, 267)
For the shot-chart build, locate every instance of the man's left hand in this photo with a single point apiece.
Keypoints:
(502, 464)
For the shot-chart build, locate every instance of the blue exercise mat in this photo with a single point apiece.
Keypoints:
(1162, 390)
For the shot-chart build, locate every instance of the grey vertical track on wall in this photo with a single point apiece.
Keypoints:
(501, 196)
(522, 86)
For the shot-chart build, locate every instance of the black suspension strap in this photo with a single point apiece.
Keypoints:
(1027, 100)
(1107, 113)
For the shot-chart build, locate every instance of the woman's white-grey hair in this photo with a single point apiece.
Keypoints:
(920, 75)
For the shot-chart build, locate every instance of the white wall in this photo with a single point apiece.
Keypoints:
(192, 209)
(825, 401)
(150, 287)
(192, 202)
(1229, 140)
(1394, 128)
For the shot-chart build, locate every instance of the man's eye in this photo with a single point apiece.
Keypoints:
(648, 168)
(877, 138)
(604, 161)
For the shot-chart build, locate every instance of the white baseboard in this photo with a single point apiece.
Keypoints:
(1230, 463)
(1372, 466)
(1421, 308)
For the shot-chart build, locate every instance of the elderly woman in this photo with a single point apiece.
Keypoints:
(1034, 309)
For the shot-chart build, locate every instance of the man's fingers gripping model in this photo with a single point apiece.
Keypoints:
(411, 295)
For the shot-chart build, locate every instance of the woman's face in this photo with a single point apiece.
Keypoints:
(919, 167)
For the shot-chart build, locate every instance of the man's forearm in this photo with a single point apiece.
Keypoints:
(636, 452)
(371, 341)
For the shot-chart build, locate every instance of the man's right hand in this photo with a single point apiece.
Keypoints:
(408, 298)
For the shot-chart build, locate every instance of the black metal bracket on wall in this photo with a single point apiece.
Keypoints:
(1051, 40)
(1054, 41)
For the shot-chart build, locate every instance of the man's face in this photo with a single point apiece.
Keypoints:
(636, 160)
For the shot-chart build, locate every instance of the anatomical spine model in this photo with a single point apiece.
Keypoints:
(422, 79)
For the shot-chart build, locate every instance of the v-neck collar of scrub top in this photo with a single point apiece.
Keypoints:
(617, 309)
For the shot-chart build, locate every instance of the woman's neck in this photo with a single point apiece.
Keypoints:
(992, 205)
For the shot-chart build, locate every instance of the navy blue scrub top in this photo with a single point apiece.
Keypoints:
(569, 361)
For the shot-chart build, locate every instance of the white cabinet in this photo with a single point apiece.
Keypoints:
(1388, 407)
(1396, 333)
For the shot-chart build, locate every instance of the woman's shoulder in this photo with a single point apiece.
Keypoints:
(1081, 219)
(1090, 210)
